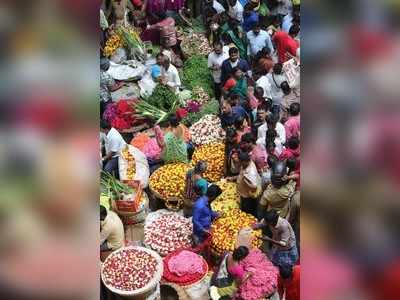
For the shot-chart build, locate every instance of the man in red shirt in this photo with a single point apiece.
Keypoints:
(286, 43)
(289, 282)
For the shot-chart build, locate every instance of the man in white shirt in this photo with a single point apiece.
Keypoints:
(218, 7)
(170, 75)
(114, 144)
(236, 10)
(271, 122)
(215, 60)
(263, 82)
(258, 39)
(112, 234)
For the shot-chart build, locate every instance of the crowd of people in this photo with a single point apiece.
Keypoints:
(251, 40)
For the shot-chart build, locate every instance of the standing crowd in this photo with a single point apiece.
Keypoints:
(252, 41)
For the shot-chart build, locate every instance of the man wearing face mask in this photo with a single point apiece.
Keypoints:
(232, 62)
(258, 39)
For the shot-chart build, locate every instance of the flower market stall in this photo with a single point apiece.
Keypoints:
(174, 134)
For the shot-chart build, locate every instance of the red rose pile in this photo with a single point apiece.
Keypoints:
(129, 269)
(168, 233)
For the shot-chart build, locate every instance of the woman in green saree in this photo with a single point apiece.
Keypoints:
(237, 84)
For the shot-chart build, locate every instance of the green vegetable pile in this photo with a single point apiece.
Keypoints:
(196, 73)
(112, 187)
(210, 108)
(159, 106)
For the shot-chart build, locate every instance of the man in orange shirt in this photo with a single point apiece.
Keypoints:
(286, 43)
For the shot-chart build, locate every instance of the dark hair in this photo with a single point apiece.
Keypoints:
(271, 119)
(244, 156)
(239, 122)
(271, 160)
(271, 217)
(217, 43)
(248, 6)
(168, 293)
(240, 253)
(160, 55)
(291, 163)
(233, 50)
(248, 138)
(213, 191)
(104, 124)
(173, 121)
(200, 167)
(234, 97)
(294, 109)
(286, 271)
(293, 143)
(256, 25)
(294, 30)
(277, 69)
(269, 144)
(270, 135)
(103, 213)
(259, 91)
(234, 70)
(230, 134)
(286, 88)
(263, 106)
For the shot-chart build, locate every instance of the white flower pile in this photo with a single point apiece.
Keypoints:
(207, 130)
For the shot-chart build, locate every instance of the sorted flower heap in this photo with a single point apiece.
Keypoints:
(169, 180)
(168, 233)
(112, 44)
(207, 130)
(200, 96)
(130, 159)
(129, 269)
(213, 154)
(229, 199)
(225, 230)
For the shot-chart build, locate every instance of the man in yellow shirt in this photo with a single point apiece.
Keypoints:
(112, 235)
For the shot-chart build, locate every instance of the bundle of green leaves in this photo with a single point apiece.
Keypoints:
(196, 73)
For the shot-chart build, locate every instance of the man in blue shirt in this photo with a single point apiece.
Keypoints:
(231, 112)
(258, 39)
(203, 215)
(233, 61)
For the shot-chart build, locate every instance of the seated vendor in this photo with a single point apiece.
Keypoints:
(233, 265)
(112, 234)
(203, 215)
(114, 144)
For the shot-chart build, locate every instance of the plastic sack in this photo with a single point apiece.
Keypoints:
(120, 71)
(142, 166)
(119, 56)
(146, 85)
(199, 291)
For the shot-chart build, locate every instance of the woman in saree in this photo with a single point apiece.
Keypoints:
(237, 84)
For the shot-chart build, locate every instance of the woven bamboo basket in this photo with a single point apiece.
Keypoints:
(172, 203)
